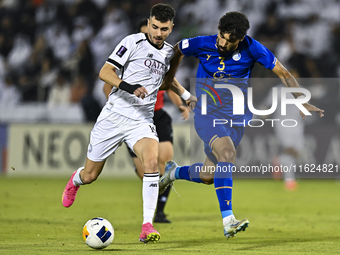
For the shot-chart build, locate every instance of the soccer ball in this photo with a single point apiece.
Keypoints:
(98, 233)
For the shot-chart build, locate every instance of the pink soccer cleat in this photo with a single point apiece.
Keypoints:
(291, 185)
(70, 192)
(149, 234)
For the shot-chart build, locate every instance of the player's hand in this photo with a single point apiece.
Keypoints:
(312, 108)
(191, 102)
(141, 92)
(185, 112)
(136, 89)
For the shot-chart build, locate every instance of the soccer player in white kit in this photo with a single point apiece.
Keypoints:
(135, 70)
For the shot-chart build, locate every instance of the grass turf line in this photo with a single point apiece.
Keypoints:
(307, 221)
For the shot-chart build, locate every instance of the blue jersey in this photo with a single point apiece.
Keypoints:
(233, 68)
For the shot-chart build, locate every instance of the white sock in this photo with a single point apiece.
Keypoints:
(173, 174)
(150, 196)
(76, 178)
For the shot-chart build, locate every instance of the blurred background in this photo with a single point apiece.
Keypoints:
(52, 50)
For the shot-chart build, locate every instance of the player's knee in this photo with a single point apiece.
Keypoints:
(151, 165)
(208, 181)
(207, 178)
(226, 155)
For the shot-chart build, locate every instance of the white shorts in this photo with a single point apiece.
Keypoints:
(112, 129)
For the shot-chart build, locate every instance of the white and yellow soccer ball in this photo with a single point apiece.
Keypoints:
(98, 233)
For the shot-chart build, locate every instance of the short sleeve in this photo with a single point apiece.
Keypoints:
(121, 53)
(262, 55)
(189, 46)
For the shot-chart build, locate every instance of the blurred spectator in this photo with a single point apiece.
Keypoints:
(20, 52)
(81, 94)
(59, 40)
(48, 77)
(9, 94)
(7, 33)
(116, 27)
(271, 32)
(82, 30)
(60, 93)
(79, 35)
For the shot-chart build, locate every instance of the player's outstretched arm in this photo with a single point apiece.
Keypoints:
(289, 81)
(174, 63)
(189, 99)
(109, 76)
(176, 100)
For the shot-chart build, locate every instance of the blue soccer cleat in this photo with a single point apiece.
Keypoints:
(165, 181)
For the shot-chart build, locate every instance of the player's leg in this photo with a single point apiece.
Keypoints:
(225, 152)
(163, 125)
(190, 172)
(146, 150)
(104, 140)
(288, 159)
(137, 163)
(200, 173)
(84, 175)
(165, 153)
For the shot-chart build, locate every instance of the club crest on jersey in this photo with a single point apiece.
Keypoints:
(121, 51)
(237, 56)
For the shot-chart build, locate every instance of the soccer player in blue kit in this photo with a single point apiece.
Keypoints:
(227, 57)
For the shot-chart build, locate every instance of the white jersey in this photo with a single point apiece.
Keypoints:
(138, 61)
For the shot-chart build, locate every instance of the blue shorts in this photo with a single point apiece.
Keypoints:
(204, 125)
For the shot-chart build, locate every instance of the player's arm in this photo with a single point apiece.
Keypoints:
(174, 64)
(289, 81)
(109, 76)
(176, 100)
(107, 89)
(170, 82)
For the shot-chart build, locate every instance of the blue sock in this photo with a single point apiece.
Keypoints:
(189, 173)
(223, 186)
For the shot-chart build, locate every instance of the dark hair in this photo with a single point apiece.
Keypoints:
(163, 12)
(235, 23)
(142, 23)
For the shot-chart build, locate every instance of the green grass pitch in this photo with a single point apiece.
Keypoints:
(307, 221)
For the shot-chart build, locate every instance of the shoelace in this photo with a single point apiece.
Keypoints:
(71, 192)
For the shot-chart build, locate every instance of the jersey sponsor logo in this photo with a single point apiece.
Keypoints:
(121, 51)
(208, 56)
(185, 43)
(237, 56)
(155, 66)
(153, 185)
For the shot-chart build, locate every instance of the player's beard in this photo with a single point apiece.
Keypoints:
(225, 50)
